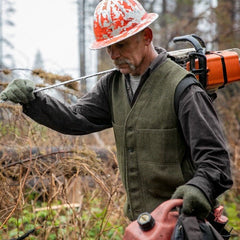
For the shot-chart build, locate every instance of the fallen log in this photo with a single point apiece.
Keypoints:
(56, 169)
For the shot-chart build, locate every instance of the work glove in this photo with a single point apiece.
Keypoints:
(194, 201)
(19, 91)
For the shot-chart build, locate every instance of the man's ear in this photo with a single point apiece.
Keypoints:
(148, 35)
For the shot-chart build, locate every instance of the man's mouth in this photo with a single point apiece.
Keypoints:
(120, 63)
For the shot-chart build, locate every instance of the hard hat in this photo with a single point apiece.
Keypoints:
(116, 20)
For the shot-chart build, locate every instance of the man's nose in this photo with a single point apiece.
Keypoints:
(113, 52)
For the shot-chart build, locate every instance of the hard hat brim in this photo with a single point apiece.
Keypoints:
(150, 18)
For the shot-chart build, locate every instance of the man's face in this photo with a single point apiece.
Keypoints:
(128, 55)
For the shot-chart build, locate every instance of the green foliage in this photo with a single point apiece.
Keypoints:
(233, 215)
(8, 129)
(61, 223)
(231, 203)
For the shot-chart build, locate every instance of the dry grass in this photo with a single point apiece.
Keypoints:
(42, 170)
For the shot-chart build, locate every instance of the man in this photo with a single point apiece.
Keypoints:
(162, 153)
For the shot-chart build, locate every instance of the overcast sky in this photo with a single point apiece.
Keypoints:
(49, 26)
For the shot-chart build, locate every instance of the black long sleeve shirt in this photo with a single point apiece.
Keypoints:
(198, 122)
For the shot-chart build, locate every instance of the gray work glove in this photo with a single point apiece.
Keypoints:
(194, 201)
(19, 91)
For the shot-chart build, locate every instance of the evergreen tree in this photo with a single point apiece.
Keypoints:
(38, 62)
(6, 11)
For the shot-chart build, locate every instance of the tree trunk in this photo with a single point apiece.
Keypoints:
(81, 43)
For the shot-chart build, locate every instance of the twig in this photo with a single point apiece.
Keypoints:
(19, 197)
(96, 178)
(35, 158)
(66, 205)
(24, 235)
(15, 69)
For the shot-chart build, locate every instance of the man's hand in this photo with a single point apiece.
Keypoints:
(194, 201)
(19, 91)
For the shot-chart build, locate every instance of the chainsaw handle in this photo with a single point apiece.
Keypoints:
(162, 212)
(196, 41)
(199, 40)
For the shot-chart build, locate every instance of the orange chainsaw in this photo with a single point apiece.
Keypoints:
(214, 69)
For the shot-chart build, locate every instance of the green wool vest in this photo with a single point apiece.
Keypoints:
(150, 148)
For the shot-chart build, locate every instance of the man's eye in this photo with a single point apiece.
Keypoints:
(120, 45)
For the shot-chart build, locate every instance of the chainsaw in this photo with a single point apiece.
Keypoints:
(214, 69)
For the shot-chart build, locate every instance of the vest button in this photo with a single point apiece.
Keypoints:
(132, 170)
(130, 150)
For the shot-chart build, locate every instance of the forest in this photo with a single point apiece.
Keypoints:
(56, 186)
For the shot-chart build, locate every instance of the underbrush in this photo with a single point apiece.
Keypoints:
(55, 186)
(231, 203)
(72, 195)
(89, 220)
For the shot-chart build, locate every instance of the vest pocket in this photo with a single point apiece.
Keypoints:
(160, 152)
(162, 146)
(160, 181)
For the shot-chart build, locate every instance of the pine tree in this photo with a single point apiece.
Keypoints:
(6, 11)
(38, 62)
